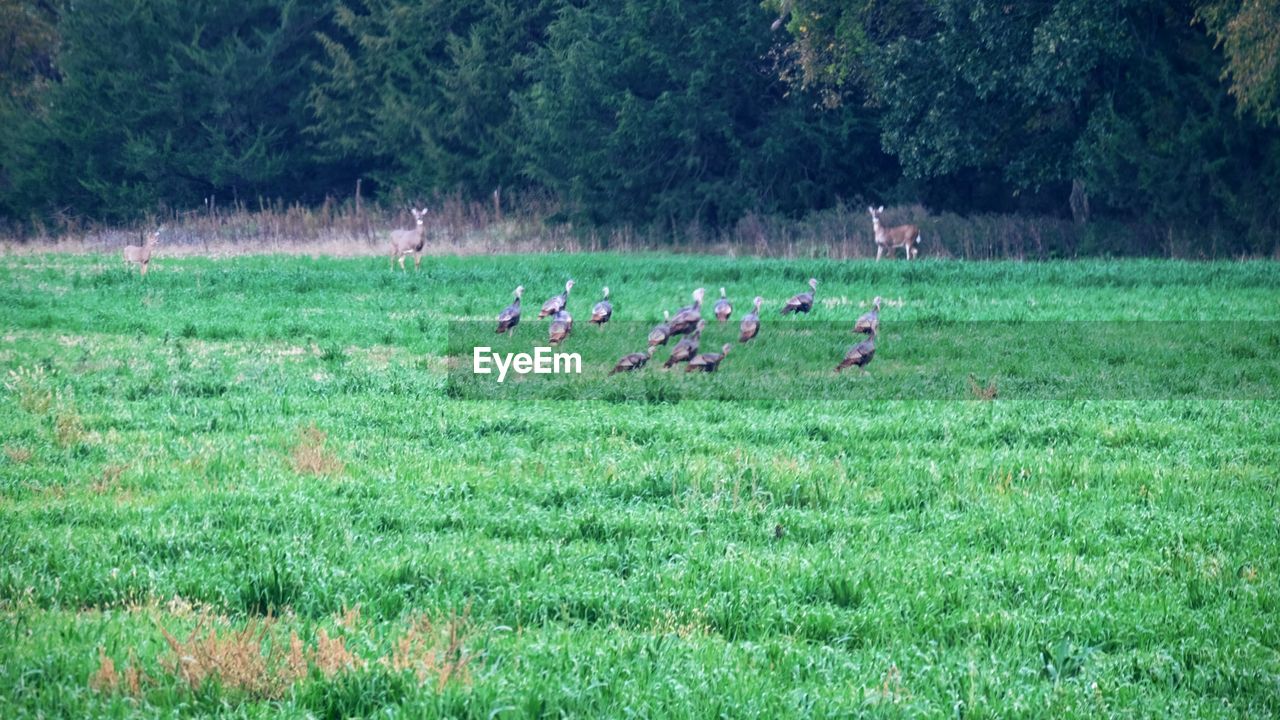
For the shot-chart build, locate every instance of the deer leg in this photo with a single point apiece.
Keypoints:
(879, 252)
(402, 262)
(417, 261)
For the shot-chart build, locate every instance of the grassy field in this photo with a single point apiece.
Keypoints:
(263, 487)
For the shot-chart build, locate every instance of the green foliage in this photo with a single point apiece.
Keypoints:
(1249, 33)
(170, 102)
(421, 94)
(30, 55)
(651, 112)
(672, 112)
(989, 101)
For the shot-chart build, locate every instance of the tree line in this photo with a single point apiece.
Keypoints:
(651, 112)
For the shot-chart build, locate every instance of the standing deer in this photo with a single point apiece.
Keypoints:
(141, 255)
(404, 242)
(892, 238)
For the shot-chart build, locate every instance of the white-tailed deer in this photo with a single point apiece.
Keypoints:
(892, 238)
(404, 242)
(141, 254)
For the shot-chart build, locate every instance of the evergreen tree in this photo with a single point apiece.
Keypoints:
(28, 64)
(653, 110)
(171, 101)
(419, 94)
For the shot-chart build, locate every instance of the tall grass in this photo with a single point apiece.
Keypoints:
(536, 223)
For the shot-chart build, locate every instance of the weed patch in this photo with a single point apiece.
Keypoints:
(311, 456)
(260, 660)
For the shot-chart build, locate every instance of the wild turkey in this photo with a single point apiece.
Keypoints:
(662, 331)
(602, 311)
(557, 303)
(687, 317)
(686, 348)
(859, 354)
(561, 326)
(723, 309)
(869, 323)
(510, 315)
(802, 302)
(708, 362)
(750, 325)
(632, 362)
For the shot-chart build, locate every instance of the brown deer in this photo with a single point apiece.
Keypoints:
(892, 238)
(404, 242)
(141, 254)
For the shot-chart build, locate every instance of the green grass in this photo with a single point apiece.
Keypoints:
(768, 541)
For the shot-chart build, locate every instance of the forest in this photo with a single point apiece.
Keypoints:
(652, 113)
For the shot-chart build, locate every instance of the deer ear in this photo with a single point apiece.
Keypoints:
(881, 209)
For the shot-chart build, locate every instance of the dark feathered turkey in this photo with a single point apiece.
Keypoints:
(686, 318)
(662, 331)
(802, 302)
(869, 323)
(687, 347)
(510, 315)
(602, 311)
(556, 303)
(708, 362)
(632, 362)
(561, 326)
(859, 354)
(723, 309)
(750, 324)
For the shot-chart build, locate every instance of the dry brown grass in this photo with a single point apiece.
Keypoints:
(310, 456)
(331, 655)
(985, 393)
(109, 480)
(435, 651)
(68, 426)
(250, 660)
(258, 662)
(17, 455)
(109, 681)
(349, 618)
(532, 224)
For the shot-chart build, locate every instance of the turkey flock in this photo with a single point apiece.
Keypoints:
(688, 321)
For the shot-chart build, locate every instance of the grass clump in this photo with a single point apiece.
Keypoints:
(310, 456)
(17, 454)
(31, 386)
(68, 425)
(261, 660)
(434, 651)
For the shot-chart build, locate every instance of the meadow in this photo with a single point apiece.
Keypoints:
(266, 486)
